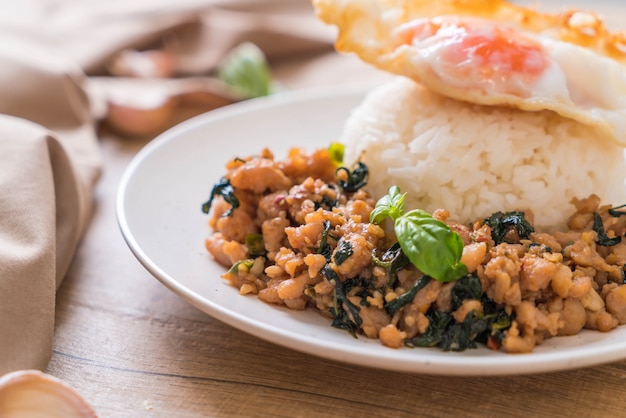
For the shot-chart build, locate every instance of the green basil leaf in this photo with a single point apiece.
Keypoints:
(391, 205)
(246, 71)
(431, 245)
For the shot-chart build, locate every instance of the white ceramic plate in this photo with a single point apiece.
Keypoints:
(159, 213)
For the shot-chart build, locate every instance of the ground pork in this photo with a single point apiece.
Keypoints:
(320, 251)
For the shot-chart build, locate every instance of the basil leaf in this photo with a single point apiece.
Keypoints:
(501, 222)
(392, 205)
(343, 251)
(224, 189)
(246, 71)
(603, 238)
(431, 245)
(393, 261)
(617, 211)
(407, 297)
(355, 180)
(427, 242)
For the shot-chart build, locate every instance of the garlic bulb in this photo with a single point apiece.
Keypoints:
(31, 393)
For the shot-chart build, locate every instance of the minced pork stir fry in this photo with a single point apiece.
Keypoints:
(304, 232)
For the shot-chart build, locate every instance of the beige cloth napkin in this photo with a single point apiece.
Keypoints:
(49, 164)
(49, 152)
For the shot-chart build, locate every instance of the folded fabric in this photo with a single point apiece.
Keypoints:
(50, 160)
(50, 163)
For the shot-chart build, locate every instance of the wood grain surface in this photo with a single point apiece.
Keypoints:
(134, 349)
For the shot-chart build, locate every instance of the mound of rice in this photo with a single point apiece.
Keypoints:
(475, 160)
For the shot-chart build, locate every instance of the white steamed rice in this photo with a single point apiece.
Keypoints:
(475, 160)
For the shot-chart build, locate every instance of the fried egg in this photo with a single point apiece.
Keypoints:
(491, 52)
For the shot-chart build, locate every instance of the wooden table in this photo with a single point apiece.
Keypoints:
(134, 349)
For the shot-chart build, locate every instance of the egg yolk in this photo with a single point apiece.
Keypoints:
(477, 51)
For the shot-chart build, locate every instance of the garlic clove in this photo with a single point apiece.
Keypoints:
(140, 117)
(31, 393)
(142, 107)
(148, 64)
(132, 107)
